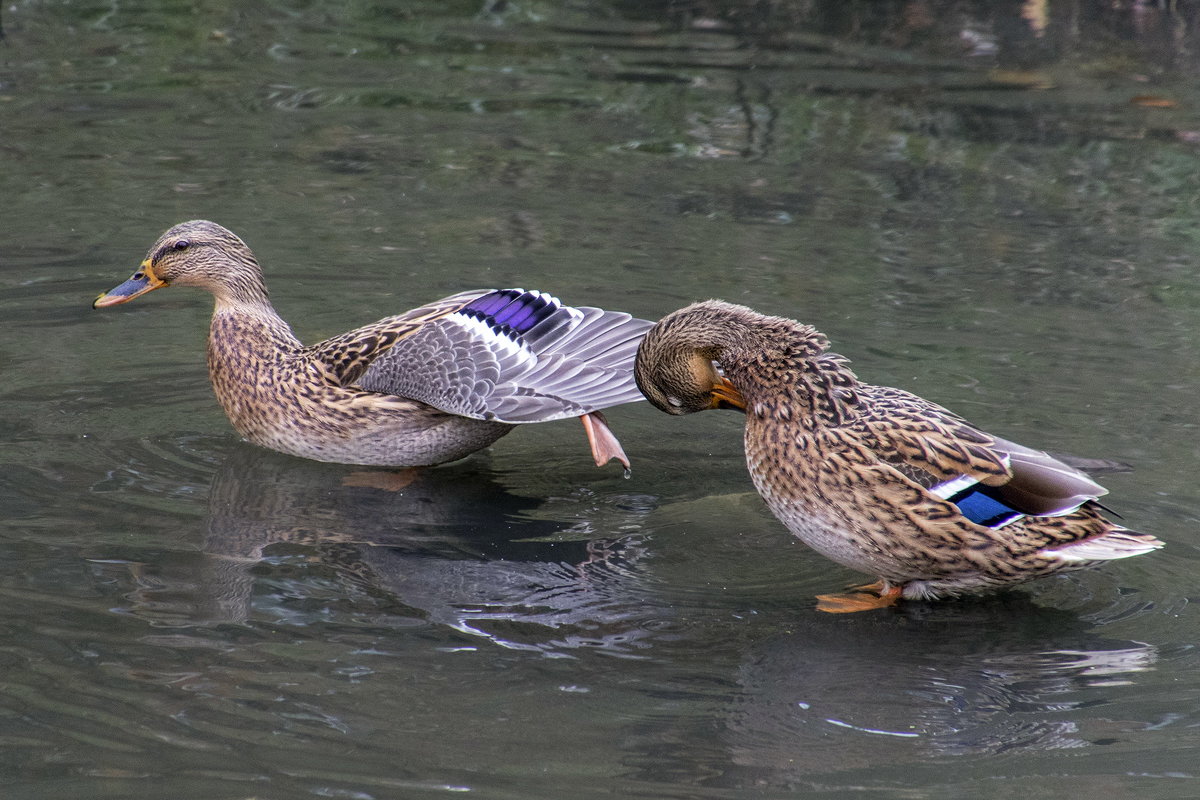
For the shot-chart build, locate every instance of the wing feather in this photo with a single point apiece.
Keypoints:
(346, 356)
(958, 462)
(514, 356)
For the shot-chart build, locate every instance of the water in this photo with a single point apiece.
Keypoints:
(993, 207)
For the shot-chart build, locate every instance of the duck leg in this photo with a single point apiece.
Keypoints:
(860, 598)
(605, 446)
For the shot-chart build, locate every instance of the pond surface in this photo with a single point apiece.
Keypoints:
(992, 205)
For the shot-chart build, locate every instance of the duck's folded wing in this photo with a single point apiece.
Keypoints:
(514, 356)
(993, 481)
(928, 443)
(1042, 485)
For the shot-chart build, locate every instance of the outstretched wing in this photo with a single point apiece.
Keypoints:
(992, 481)
(514, 356)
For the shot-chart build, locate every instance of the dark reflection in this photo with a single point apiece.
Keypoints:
(448, 546)
(954, 679)
(972, 71)
(1017, 33)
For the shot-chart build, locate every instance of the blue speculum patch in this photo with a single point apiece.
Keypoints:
(981, 508)
(509, 308)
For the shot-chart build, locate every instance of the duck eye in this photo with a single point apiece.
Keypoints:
(182, 244)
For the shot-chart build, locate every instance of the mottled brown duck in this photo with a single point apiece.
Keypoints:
(874, 478)
(428, 386)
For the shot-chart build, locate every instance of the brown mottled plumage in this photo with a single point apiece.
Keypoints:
(427, 386)
(876, 478)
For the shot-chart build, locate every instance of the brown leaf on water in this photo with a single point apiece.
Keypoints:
(1021, 79)
(1152, 101)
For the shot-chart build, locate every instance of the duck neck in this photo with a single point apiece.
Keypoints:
(246, 339)
(785, 373)
(239, 284)
(252, 355)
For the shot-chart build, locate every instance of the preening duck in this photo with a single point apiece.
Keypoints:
(875, 478)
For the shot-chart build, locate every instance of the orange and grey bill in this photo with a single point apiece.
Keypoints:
(726, 395)
(142, 281)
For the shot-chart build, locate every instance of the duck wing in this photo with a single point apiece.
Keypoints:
(344, 358)
(992, 481)
(513, 356)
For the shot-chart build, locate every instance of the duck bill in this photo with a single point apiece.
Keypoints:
(726, 395)
(144, 280)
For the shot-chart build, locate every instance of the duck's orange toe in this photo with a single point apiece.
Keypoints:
(862, 598)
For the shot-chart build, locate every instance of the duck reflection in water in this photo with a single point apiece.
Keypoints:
(452, 547)
(978, 677)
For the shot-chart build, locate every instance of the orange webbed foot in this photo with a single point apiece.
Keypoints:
(605, 446)
(860, 598)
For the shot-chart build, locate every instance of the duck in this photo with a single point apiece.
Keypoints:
(425, 387)
(874, 478)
